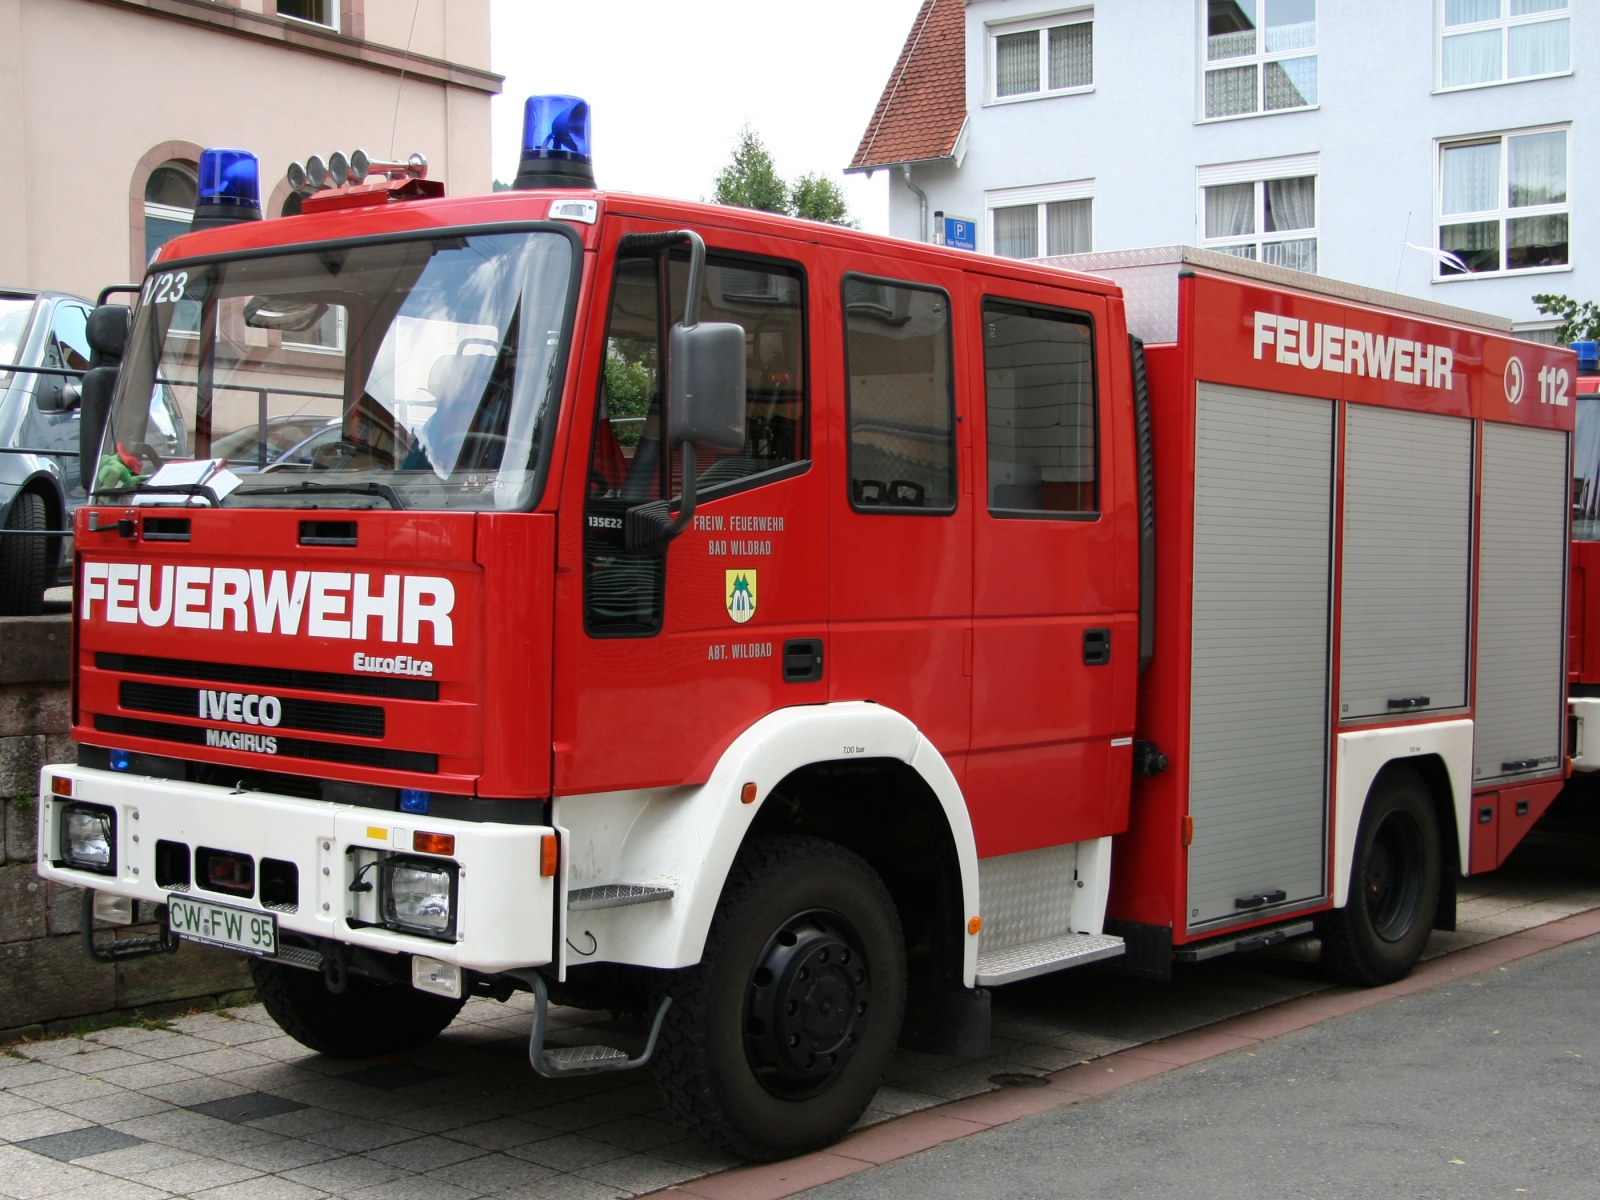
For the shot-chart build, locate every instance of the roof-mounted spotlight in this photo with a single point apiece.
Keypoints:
(555, 144)
(230, 188)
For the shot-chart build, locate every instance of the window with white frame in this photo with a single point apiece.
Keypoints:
(1260, 56)
(1266, 212)
(1498, 41)
(1043, 57)
(318, 12)
(1050, 219)
(1503, 203)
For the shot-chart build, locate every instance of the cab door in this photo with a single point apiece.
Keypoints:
(900, 503)
(1055, 644)
(662, 660)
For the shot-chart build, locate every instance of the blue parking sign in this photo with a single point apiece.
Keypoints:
(961, 233)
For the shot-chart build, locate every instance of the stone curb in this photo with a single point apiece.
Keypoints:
(910, 1134)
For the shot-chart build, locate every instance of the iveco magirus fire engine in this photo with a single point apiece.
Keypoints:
(784, 633)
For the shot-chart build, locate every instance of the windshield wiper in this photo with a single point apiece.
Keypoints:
(174, 489)
(308, 488)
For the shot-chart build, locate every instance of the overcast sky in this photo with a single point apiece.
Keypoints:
(670, 85)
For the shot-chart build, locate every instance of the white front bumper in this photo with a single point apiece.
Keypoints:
(503, 905)
(1585, 749)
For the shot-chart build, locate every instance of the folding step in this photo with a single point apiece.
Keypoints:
(615, 895)
(1040, 958)
(1240, 943)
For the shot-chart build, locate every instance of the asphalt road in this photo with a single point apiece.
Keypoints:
(1489, 1087)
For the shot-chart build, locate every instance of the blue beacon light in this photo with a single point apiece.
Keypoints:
(1588, 357)
(230, 188)
(555, 144)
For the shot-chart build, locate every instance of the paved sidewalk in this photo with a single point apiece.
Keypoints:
(226, 1107)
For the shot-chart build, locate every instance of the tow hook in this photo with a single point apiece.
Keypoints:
(335, 971)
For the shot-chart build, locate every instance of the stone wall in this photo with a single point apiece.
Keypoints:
(46, 980)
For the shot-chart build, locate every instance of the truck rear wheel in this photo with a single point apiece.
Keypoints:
(24, 560)
(776, 1042)
(364, 1020)
(1381, 931)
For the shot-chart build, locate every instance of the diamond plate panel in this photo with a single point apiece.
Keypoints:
(1026, 897)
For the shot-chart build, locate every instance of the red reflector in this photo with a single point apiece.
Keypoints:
(61, 785)
(747, 794)
(433, 843)
(549, 852)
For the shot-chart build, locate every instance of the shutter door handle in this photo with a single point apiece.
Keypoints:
(1260, 899)
(1403, 702)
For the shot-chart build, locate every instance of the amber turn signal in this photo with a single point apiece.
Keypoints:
(433, 843)
(747, 794)
(60, 785)
(549, 854)
(974, 925)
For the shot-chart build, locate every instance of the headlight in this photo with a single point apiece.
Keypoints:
(88, 838)
(419, 896)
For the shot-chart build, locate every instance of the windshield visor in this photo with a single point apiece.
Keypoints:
(418, 373)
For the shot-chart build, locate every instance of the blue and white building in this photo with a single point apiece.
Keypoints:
(1432, 147)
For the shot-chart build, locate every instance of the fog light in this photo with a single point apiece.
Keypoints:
(440, 978)
(113, 910)
(88, 838)
(419, 896)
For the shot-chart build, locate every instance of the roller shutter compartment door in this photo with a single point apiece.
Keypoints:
(1522, 562)
(1259, 676)
(1406, 586)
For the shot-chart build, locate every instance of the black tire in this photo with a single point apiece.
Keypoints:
(1394, 886)
(365, 1020)
(24, 560)
(778, 1039)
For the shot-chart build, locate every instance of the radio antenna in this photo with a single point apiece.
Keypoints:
(399, 87)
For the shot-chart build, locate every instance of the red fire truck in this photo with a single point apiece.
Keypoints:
(781, 632)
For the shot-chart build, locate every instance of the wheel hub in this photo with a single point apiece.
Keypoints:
(1393, 883)
(806, 1005)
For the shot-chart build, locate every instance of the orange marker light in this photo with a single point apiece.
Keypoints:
(747, 794)
(549, 853)
(60, 785)
(974, 925)
(433, 843)
(1188, 830)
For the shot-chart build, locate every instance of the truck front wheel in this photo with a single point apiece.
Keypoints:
(1383, 928)
(777, 1040)
(364, 1020)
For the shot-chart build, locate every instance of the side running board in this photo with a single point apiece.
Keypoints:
(560, 1062)
(1014, 963)
(1240, 943)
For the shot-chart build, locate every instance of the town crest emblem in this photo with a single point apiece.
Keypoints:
(741, 594)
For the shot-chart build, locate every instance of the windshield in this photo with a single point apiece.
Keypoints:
(1586, 472)
(14, 314)
(417, 373)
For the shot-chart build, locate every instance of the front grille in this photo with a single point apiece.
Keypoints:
(270, 677)
(318, 716)
(286, 747)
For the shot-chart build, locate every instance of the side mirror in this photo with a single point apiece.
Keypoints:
(705, 385)
(50, 394)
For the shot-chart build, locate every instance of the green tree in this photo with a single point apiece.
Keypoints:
(1580, 320)
(750, 180)
(818, 198)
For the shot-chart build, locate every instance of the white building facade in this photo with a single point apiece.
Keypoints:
(1432, 147)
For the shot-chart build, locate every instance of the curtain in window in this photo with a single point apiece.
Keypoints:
(1477, 244)
(1291, 203)
(1016, 231)
(1536, 242)
(1298, 255)
(1291, 83)
(1471, 178)
(1246, 251)
(1072, 55)
(1465, 12)
(1067, 227)
(1540, 49)
(1230, 210)
(1471, 58)
(1291, 25)
(1523, 8)
(1537, 165)
(1016, 66)
(1231, 91)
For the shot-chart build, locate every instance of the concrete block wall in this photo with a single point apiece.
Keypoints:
(46, 980)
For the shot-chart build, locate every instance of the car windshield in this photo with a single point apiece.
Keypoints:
(14, 314)
(416, 373)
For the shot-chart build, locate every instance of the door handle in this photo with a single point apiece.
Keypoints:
(802, 660)
(1096, 647)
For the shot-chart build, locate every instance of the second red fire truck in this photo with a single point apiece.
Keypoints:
(784, 632)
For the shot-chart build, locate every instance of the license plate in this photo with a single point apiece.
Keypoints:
(219, 925)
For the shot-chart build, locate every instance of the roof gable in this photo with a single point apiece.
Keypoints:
(923, 106)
